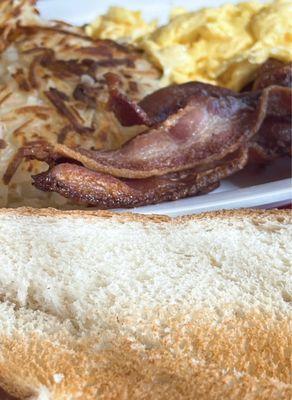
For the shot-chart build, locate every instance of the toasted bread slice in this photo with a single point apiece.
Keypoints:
(97, 305)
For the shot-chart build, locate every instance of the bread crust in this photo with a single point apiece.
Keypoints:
(276, 214)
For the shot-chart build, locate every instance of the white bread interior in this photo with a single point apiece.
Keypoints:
(97, 305)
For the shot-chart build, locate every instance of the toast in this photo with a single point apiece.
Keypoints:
(99, 305)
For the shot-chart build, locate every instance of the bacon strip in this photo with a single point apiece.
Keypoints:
(92, 188)
(157, 106)
(274, 72)
(128, 112)
(206, 129)
(38, 150)
(274, 137)
(198, 135)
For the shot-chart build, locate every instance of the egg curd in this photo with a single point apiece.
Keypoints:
(222, 46)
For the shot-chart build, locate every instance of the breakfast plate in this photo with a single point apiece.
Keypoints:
(261, 187)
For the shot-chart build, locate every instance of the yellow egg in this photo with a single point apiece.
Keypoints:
(120, 24)
(223, 45)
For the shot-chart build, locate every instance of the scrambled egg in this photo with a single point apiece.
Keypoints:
(120, 24)
(222, 46)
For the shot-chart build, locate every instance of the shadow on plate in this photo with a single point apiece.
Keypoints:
(256, 175)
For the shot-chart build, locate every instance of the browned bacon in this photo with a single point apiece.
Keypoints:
(274, 137)
(177, 141)
(273, 72)
(206, 129)
(85, 186)
(184, 155)
(159, 105)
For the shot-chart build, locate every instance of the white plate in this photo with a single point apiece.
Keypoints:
(254, 187)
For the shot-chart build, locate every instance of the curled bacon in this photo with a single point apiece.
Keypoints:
(273, 72)
(206, 129)
(274, 137)
(92, 188)
(157, 106)
(38, 150)
(272, 140)
(197, 135)
(128, 112)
